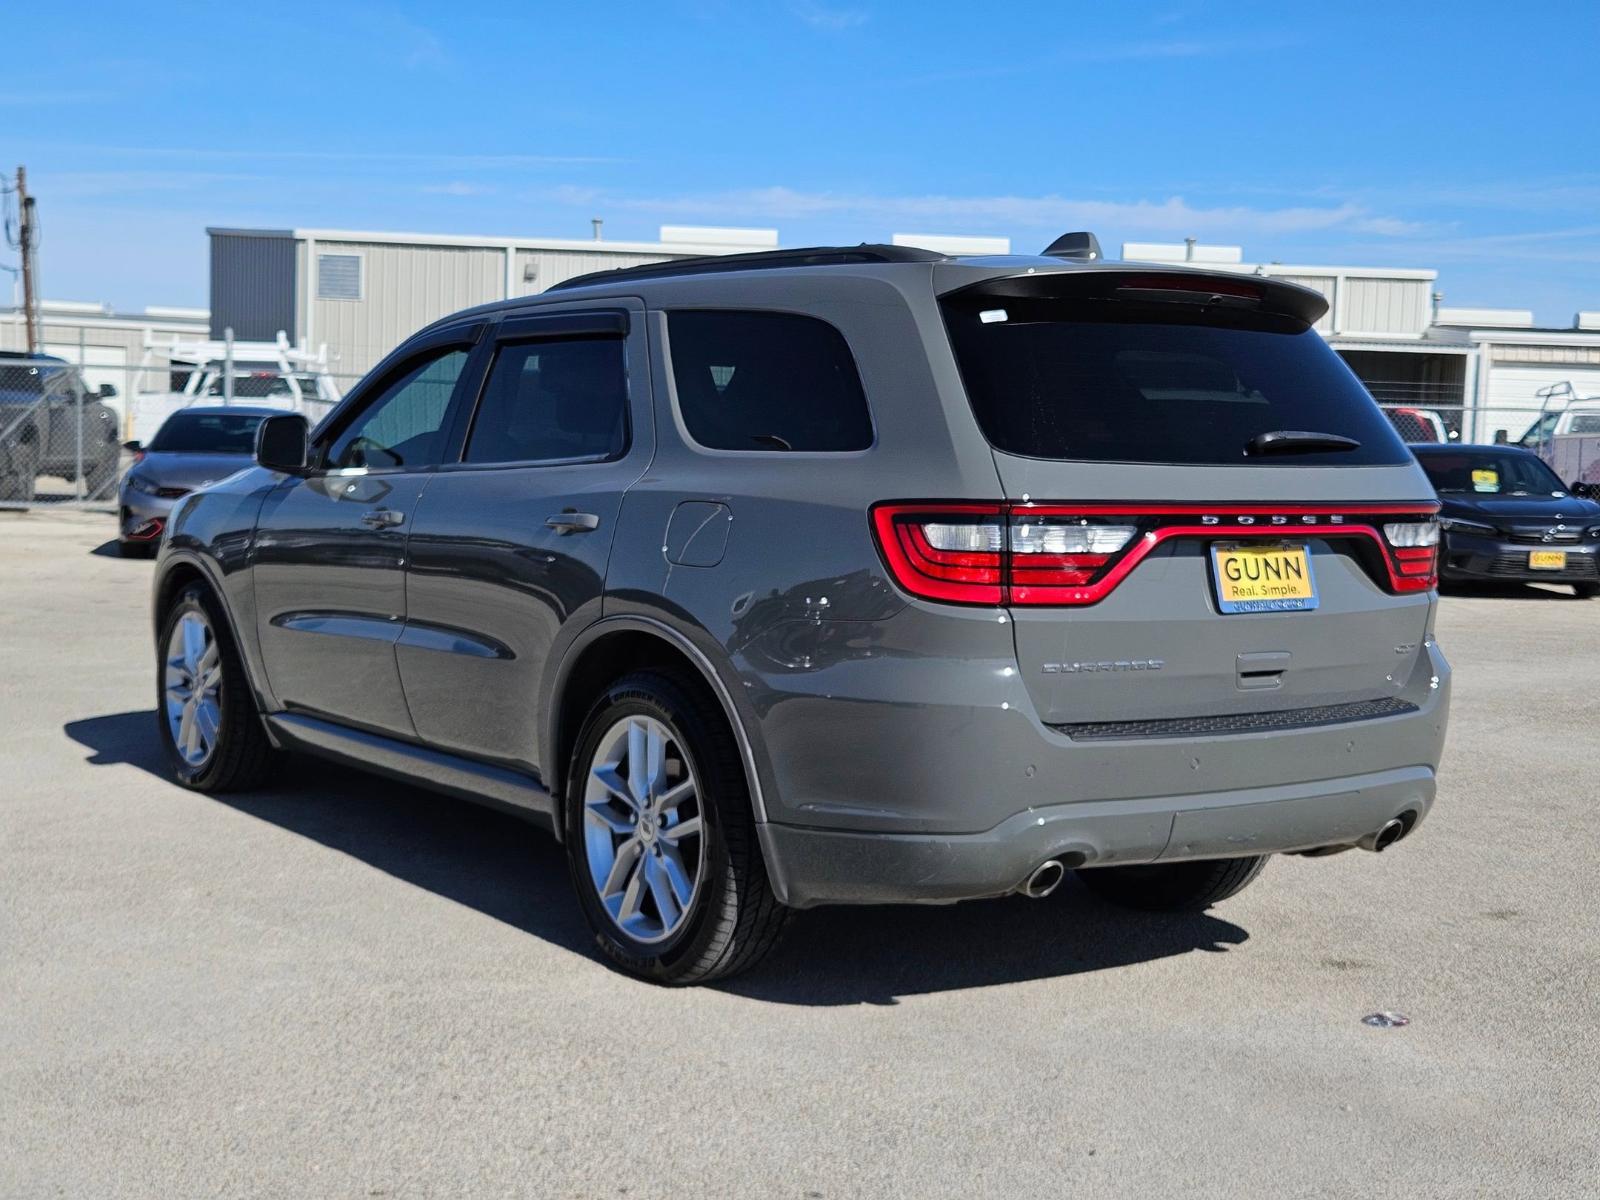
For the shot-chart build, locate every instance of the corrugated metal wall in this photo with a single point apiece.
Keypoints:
(252, 284)
(1386, 306)
(403, 287)
(537, 270)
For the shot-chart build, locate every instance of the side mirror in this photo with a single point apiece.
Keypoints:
(281, 443)
(133, 447)
(108, 391)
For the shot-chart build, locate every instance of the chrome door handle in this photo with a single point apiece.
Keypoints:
(382, 518)
(573, 522)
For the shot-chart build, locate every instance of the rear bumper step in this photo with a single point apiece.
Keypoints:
(1261, 722)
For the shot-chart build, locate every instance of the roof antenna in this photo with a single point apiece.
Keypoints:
(1078, 247)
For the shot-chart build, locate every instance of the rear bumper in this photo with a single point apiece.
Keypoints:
(816, 866)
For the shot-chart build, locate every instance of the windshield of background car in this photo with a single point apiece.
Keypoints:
(1106, 379)
(1488, 473)
(207, 433)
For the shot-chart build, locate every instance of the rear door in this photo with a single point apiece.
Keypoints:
(330, 546)
(1209, 515)
(511, 542)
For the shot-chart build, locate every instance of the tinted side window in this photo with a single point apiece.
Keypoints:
(767, 381)
(404, 425)
(553, 400)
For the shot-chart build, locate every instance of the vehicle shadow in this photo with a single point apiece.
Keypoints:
(515, 873)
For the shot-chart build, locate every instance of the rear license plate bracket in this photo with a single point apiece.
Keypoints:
(1263, 577)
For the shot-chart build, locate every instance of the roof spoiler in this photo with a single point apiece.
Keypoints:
(1076, 247)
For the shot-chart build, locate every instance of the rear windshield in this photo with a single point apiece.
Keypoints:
(1110, 380)
(1489, 472)
(207, 433)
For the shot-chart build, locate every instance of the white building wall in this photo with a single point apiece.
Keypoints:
(1317, 283)
(1510, 391)
(550, 267)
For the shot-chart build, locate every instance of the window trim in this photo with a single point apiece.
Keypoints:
(361, 276)
(586, 325)
(698, 447)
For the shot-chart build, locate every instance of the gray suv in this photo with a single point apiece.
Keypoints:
(839, 576)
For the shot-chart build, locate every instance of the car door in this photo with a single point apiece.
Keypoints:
(330, 545)
(511, 542)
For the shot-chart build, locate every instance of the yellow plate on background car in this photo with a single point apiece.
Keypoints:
(1269, 577)
(1547, 560)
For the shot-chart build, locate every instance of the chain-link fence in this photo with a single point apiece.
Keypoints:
(69, 432)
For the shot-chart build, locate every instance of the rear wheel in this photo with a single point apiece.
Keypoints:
(660, 836)
(204, 705)
(1174, 887)
(19, 470)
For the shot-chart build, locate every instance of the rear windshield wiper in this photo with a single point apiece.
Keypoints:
(771, 439)
(1298, 441)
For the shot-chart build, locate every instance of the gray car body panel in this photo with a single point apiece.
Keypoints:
(917, 741)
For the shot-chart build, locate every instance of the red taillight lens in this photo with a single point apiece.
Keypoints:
(1413, 548)
(138, 457)
(951, 552)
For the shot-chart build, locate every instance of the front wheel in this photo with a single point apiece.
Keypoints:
(204, 704)
(661, 839)
(1174, 887)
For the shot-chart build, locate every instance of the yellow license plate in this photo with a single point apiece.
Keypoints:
(1273, 577)
(1547, 560)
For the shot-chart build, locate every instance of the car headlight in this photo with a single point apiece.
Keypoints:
(140, 484)
(1456, 525)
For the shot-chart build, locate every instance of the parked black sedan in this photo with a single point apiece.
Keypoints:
(1507, 518)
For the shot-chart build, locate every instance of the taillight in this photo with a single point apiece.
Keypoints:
(1032, 554)
(138, 457)
(1050, 552)
(1414, 547)
(952, 552)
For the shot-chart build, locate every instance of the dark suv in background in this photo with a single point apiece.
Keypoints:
(43, 399)
(840, 576)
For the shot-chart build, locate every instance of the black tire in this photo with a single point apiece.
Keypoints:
(733, 919)
(1174, 887)
(242, 755)
(19, 471)
(1586, 591)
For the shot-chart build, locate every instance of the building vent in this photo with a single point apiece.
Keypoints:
(338, 277)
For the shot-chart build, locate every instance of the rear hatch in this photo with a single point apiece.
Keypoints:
(1207, 515)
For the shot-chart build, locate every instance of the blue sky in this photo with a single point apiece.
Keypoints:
(1463, 136)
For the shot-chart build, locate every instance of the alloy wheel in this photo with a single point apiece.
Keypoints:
(193, 689)
(642, 828)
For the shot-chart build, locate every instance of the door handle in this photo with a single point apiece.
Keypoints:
(382, 518)
(573, 522)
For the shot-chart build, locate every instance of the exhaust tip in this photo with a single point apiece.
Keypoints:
(1046, 878)
(1391, 832)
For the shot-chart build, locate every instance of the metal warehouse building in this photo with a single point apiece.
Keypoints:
(361, 293)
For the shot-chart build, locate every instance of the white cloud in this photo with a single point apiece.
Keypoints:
(457, 187)
(828, 17)
(1172, 216)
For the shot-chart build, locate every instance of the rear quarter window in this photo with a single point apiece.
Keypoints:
(1107, 380)
(766, 381)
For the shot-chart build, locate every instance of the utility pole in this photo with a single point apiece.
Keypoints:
(26, 237)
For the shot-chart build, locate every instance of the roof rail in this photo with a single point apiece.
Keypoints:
(761, 260)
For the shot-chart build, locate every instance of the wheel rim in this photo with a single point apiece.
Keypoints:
(642, 829)
(193, 689)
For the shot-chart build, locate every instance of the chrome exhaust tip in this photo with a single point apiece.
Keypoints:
(1392, 832)
(1046, 878)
